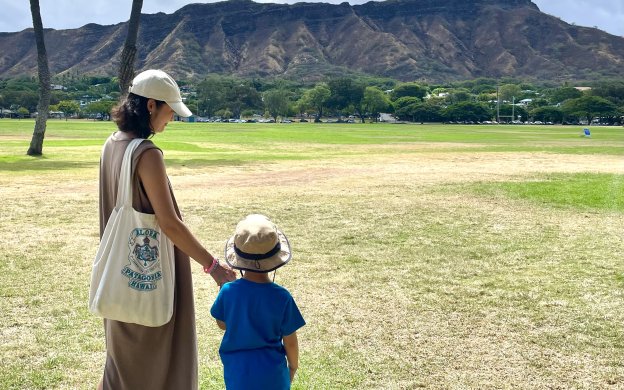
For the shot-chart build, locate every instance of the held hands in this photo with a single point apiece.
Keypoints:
(220, 273)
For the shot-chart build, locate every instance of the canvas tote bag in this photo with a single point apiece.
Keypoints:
(132, 279)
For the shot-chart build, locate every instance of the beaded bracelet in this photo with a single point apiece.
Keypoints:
(209, 270)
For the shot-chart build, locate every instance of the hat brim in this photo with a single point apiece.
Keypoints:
(265, 265)
(180, 109)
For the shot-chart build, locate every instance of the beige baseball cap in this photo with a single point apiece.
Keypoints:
(158, 85)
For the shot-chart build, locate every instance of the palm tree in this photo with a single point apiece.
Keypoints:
(128, 55)
(36, 143)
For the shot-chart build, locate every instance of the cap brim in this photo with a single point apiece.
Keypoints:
(180, 109)
(265, 265)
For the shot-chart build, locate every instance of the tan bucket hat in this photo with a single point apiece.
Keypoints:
(257, 245)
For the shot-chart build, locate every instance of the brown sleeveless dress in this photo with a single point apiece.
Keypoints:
(140, 357)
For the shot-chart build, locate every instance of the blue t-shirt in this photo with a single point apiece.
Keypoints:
(257, 316)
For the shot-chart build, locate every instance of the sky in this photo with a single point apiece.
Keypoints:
(607, 15)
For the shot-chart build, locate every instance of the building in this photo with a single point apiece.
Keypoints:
(384, 117)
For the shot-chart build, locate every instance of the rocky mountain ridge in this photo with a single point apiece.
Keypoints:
(426, 40)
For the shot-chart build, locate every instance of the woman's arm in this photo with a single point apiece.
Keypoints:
(152, 173)
(221, 324)
(291, 345)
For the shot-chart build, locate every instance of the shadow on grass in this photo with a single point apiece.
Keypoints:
(20, 164)
(24, 164)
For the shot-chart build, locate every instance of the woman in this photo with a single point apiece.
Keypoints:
(165, 357)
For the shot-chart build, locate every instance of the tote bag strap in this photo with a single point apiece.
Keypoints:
(124, 189)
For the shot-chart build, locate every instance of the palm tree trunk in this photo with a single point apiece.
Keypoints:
(36, 143)
(128, 55)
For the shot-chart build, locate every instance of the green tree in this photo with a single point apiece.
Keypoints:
(316, 98)
(101, 109)
(589, 107)
(375, 101)
(486, 97)
(459, 95)
(23, 112)
(240, 96)
(467, 111)
(437, 91)
(404, 102)
(344, 93)
(276, 102)
(509, 92)
(409, 89)
(21, 84)
(547, 114)
(612, 91)
(68, 107)
(224, 113)
(480, 86)
(560, 95)
(211, 95)
(216, 93)
(28, 99)
(539, 102)
(420, 112)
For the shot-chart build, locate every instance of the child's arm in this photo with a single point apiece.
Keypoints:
(291, 345)
(221, 324)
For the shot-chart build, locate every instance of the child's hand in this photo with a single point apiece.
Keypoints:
(293, 370)
(222, 274)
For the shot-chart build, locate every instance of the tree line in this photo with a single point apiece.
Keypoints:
(225, 97)
(364, 96)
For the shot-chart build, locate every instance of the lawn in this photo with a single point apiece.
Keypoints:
(425, 256)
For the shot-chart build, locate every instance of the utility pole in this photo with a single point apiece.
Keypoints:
(497, 105)
(513, 106)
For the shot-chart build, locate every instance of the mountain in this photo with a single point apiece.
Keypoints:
(428, 40)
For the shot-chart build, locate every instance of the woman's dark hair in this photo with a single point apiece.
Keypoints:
(131, 115)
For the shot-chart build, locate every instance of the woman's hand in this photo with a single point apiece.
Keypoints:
(222, 274)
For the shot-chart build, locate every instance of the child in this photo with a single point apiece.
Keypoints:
(260, 318)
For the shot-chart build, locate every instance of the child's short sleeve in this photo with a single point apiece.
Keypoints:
(293, 319)
(218, 310)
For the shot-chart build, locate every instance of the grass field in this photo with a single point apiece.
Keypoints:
(425, 256)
